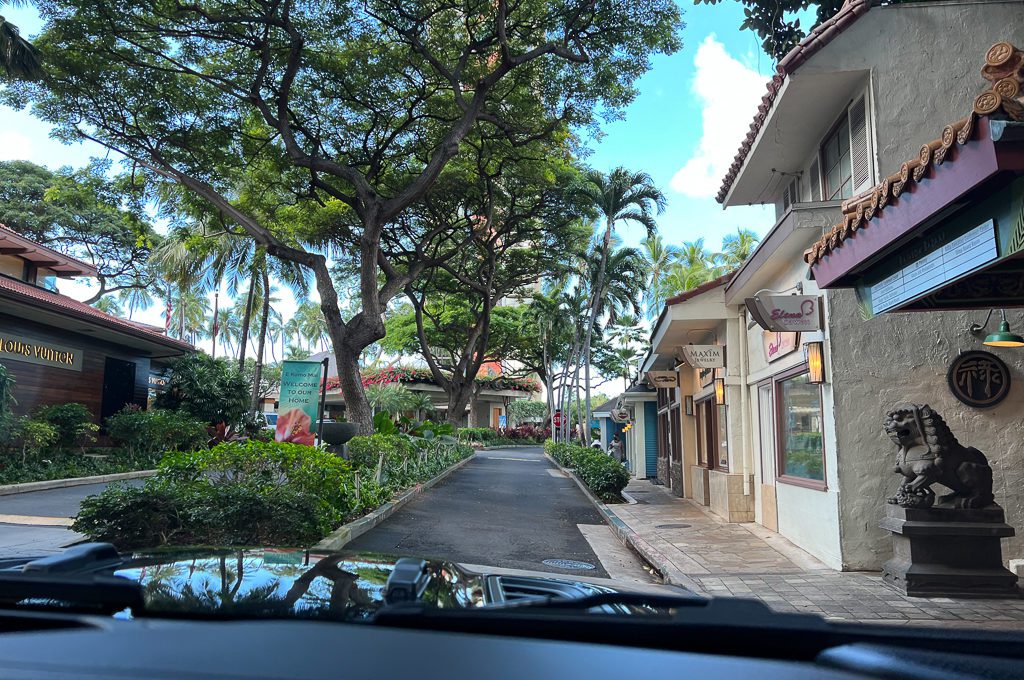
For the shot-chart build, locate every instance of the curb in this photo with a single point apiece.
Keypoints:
(670, 574)
(356, 528)
(26, 487)
(509, 446)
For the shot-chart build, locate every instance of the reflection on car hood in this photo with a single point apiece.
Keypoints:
(284, 583)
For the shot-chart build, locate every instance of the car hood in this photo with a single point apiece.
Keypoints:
(289, 583)
(304, 584)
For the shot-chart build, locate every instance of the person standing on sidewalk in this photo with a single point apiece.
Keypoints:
(616, 449)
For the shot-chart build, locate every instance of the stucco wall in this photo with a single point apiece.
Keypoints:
(810, 518)
(924, 60)
(904, 357)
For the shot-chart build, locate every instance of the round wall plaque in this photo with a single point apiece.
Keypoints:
(978, 379)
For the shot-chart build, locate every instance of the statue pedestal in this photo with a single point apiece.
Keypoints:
(946, 552)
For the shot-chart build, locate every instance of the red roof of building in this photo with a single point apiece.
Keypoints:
(13, 243)
(62, 304)
(818, 38)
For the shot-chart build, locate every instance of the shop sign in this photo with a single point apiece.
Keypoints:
(939, 258)
(978, 379)
(663, 379)
(299, 407)
(41, 353)
(706, 376)
(777, 345)
(786, 313)
(704, 356)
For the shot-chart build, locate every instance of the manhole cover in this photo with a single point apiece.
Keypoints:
(568, 564)
(672, 526)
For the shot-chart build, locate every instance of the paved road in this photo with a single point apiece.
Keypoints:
(35, 523)
(505, 508)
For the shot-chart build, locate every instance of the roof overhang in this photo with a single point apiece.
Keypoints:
(957, 200)
(65, 266)
(807, 104)
(690, 321)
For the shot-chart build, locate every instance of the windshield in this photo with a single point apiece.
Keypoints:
(562, 299)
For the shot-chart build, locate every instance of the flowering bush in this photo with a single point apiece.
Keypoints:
(401, 374)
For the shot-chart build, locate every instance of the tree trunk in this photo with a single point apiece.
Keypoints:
(460, 394)
(595, 304)
(357, 408)
(258, 373)
(246, 320)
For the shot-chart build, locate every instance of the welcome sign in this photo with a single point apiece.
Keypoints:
(299, 405)
(40, 353)
(786, 313)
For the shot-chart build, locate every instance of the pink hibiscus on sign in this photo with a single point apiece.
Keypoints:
(293, 427)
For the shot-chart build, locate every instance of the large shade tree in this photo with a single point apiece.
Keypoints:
(357, 106)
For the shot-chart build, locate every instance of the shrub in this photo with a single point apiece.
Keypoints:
(602, 474)
(476, 434)
(73, 423)
(156, 430)
(34, 436)
(210, 390)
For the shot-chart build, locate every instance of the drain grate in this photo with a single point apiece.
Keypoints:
(672, 526)
(569, 564)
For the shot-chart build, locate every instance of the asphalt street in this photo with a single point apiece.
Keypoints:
(506, 508)
(36, 523)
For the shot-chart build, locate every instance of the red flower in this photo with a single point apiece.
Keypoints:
(293, 426)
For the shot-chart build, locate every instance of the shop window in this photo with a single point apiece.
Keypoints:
(801, 456)
(766, 421)
(722, 437)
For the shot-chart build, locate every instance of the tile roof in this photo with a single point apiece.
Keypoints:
(62, 304)
(26, 248)
(703, 288)
(819, 37)
(1004, 69)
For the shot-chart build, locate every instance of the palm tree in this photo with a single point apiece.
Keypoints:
(390, 397)
(621, 196)
(312, 324)
(190, 321)
(18, 57)
(658, 259)
(736, 248)
(108, 304)
(136, 299)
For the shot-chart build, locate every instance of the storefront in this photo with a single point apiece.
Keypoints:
(59, 350)
(633, 416)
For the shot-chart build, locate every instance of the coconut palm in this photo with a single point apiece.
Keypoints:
(422, 404)
(312, 324)
(620, 196)
(228, 330)
(18, 58)
(189, 323)
(135, 299)
(108, 304)
(658, 259)
(392, 398)
(736, 248)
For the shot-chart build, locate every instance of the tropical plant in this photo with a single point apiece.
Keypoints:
(737, 248)
(18, 58)
(658, 260)
(155, 430)
(620, 196)
(72, 422)
(210, 390)
(526, 411)
(391, 398)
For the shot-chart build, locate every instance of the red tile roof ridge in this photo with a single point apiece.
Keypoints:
(64, 304)
(859, 210)
(814, 41)
(702, 288)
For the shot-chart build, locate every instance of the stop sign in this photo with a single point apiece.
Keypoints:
(556, 419)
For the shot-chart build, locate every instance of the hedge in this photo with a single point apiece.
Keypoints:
(602, 474)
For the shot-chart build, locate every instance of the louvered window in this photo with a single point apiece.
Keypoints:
(859, 145)
(814, 177)
(844, 160)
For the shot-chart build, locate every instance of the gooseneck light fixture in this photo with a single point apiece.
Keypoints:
(815, 353)
(1003, 337)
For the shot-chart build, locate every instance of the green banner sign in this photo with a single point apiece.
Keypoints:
(299, 405)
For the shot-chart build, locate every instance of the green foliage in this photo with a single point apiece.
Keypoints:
(35, 436)
(155, 430)
(382, 424)
(210, 390)
(527, 411)
(84, 213)
(476, 434)
(73, 423)
(261, 493)
(774, 23)
(392, 397)
(45, 464)
(7, 383)
(602, 474)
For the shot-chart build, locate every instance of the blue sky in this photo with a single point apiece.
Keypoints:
(683, 129)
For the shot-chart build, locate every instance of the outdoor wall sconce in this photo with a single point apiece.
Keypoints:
(719, 391)
(688, 404)
(1001, 338)
(815, 354)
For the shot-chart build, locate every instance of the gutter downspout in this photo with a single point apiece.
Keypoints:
(748, 453)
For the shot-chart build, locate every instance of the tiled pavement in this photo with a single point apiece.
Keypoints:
(747, 560)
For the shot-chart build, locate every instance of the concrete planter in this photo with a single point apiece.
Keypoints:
(337, 434)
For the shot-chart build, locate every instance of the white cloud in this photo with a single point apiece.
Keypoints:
(14, 146)
(729, 93)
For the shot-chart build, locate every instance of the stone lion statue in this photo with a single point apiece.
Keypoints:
(929, 453)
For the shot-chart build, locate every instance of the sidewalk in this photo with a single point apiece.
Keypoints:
(746, 560)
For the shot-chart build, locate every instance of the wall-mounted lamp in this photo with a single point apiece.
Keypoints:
(719, 391)
(688, 404)
(1001, 338)
(815, 355)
